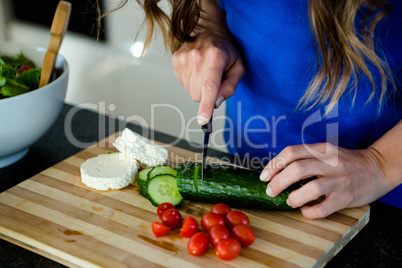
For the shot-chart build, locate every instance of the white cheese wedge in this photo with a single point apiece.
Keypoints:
(141, 149)
(109, 171)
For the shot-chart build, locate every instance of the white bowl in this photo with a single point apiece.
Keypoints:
(27, 117)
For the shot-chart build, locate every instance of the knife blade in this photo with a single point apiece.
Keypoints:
(207, 129)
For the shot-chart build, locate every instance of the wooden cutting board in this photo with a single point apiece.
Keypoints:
(55, 215)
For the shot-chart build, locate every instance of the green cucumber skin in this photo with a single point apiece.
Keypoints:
(233, 186)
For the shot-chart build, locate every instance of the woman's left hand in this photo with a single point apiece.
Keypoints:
(346, 178)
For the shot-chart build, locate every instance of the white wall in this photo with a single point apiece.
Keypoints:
(109, 78)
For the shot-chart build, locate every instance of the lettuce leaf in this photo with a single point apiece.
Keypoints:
(10, 90)
(11, 82)
(30, 78)
(18, 61)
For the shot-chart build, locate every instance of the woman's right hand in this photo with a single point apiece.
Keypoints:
(210, 68)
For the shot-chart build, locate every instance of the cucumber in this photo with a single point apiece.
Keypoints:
(234, 186)
(163, 188)
(143, 175)
(157, 170)
(162, 169)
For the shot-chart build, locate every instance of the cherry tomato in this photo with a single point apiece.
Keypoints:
(228, 249)
(159, 229)
(172, 218)
(163, 207)
(244, 234)
(198, 244)
(189, 227)
(210, 219)
(218, 233)
(236, 217)
(220, 209)
(24, 68)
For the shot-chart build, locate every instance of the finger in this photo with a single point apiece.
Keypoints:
(186, 83)
(209, 91)
(195, 83)
(323, 209)
(179, 75)
(229, 84)
(312, 191)
(293, 153)
(182, 69)
(294, 172)
(177, 68)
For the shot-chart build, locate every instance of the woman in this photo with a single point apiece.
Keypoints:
(300, 78)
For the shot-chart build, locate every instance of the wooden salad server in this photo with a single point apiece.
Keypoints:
(57, 31)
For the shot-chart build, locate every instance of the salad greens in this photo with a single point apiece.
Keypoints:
(18, 75)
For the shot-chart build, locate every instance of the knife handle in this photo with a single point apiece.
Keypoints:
(207, 128)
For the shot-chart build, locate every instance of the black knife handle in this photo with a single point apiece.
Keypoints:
(207, 128)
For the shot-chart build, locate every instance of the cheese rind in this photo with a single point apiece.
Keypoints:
(108, 171)
(140, 149)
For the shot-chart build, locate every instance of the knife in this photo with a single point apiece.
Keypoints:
(207, 129)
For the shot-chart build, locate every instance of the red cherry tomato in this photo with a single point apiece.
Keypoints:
(198, 244)
(24, 68)
(244, 234)
(159, 229)
(218, 233)
(189, 227)
(228, 249)
(236, 217)
(210, 219)
(163, 207)
(172, 218)
(221, 209)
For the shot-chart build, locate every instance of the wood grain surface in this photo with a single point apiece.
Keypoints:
(55, 215)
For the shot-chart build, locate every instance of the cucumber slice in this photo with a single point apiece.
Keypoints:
(157, 170)
(163, 188)
(143, 176)
(161, 169)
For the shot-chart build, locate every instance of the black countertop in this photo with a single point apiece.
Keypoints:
(379, 244)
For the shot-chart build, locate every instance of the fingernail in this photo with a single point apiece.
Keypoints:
(264, 175)
(269, 191)
(219, 101)
(288, 203)
(202, 119)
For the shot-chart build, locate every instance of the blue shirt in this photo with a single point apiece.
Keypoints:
(277, 45)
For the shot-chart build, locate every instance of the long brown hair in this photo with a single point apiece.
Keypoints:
(343, 52)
